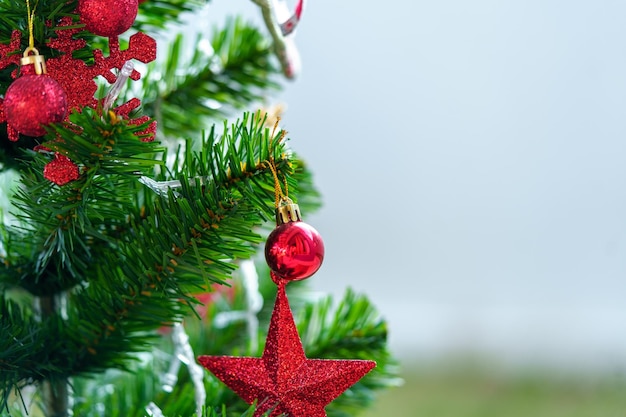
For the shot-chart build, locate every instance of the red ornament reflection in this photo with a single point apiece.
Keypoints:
(294, 251)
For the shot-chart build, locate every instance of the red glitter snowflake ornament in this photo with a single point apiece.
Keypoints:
(284, 381)
(76, 77)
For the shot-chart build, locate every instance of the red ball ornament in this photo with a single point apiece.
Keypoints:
(33, 101)
(294, 251)
(108, 17)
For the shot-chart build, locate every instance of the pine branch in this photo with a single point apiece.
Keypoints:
(13, 16)
(186, 92)
(19, 333)
(143, 388)
(324, 334)
(158, 14)
(64, 227)
(130, 259)
(134, 389)
(146, 276)
(353, 330)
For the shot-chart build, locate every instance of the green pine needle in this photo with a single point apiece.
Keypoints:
(145, 229)
(185, 92)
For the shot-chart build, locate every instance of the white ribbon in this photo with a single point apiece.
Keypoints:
(116, 88)
(273, 12)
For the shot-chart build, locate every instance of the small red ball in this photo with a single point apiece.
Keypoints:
(108, 17)
(294, 251)
(33, 101)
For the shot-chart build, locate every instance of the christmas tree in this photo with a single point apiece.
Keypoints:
(137, 194)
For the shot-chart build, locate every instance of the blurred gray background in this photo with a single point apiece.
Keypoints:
(472, 161)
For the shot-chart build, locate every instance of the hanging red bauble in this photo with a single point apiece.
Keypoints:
(33, 101)
(284, 382)
(108, 17)
(294, 250)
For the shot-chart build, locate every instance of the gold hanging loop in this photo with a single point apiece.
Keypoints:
(37, 60)
(286, 210)
(27, 59)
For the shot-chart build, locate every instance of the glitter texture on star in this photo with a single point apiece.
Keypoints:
(283, 380)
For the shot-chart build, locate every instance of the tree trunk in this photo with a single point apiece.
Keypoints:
(55, 392)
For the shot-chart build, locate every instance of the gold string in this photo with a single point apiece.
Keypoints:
(275, 127)
(31, 18)
(286, 188)
(278, 191)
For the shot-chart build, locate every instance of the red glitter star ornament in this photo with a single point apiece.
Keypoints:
(283, 380)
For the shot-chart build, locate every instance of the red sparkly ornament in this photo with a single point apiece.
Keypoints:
(76, 77)
(61, 170)
(294, 250)
(283, 380)
(33, 101)
(108, 17)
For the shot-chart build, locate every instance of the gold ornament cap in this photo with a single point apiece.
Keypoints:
(37, 60)
(287, 212)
